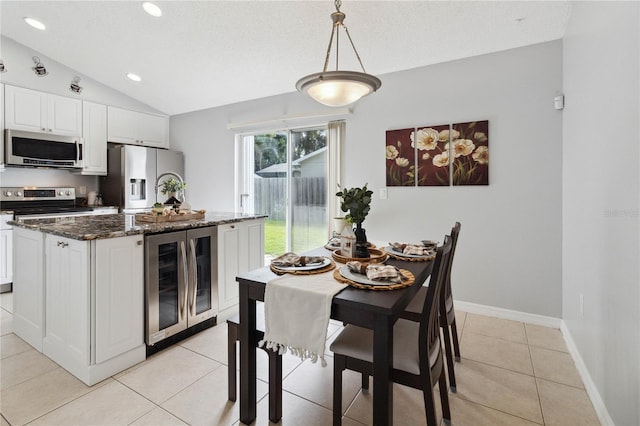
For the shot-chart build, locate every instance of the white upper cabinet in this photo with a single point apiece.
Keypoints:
(94, 132)
(2, 126)
(34, 111)
(154, 130)
(137, 128)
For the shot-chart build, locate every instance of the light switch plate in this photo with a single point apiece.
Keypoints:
(383, 193)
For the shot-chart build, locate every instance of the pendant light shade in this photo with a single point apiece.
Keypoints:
(338, 88)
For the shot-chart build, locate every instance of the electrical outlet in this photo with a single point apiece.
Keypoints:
(82, 190)
(581, 304)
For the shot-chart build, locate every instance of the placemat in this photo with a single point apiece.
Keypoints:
(394, 286)
(326, 268)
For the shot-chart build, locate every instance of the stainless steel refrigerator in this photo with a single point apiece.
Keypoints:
(133, 173)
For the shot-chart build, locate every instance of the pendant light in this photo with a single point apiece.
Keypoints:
(338, 88)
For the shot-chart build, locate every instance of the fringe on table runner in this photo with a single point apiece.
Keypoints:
(301, 353)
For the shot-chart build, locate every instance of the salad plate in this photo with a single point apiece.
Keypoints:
(360, 278)
(309, 267)
(392, 252)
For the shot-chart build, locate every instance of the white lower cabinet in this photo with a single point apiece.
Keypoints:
(240, 249)
(94, 304)
(6, 249)
(28, 286)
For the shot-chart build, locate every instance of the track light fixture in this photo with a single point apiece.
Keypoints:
(75, 85)
(39, 68)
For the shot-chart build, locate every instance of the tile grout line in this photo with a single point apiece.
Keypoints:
(535, 378)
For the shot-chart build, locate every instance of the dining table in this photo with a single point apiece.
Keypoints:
(375, 310)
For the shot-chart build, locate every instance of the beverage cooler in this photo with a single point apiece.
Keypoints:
(180, 282)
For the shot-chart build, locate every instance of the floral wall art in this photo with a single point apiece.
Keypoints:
(439, 155)
(400, 158)
(470, 153)
(431, 145)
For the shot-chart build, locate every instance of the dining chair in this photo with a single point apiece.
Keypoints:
(417, 351)
(447, 313)
(275, 363)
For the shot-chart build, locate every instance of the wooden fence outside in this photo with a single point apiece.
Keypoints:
(309, 199)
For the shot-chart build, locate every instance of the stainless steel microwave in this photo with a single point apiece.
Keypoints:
(32, 149)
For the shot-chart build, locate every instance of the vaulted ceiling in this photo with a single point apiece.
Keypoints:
(201, 54)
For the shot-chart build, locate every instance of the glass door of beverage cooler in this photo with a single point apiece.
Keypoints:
(166, 277)
(203, 274)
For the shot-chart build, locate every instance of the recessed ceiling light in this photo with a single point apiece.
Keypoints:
(35, 23)
(134, 77)
(152, 9)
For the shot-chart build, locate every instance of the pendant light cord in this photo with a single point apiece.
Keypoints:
(338, 20)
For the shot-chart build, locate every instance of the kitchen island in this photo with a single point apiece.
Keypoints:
(79, 283)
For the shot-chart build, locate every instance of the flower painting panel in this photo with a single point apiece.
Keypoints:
(432, 155)
(400, 158)
(469, 152)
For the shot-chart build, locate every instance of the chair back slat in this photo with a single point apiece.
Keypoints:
(429, 323)
(446, 287)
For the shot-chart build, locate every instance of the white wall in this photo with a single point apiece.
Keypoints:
(601, 199)
(18, 61)
(509, 253)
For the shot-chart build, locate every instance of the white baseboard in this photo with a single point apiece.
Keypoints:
(492, 311)
(589, 385)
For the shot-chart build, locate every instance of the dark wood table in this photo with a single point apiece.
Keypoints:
(376, 310)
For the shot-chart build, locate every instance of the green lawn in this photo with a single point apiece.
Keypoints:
(304, 238)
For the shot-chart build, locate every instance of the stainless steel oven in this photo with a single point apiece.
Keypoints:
(31, 149)
(180, 281)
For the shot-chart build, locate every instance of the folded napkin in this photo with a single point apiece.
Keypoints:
(292, 259)
(297, 311)
(377, 272)
(415, 249)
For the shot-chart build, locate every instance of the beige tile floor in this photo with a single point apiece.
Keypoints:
(511, 374)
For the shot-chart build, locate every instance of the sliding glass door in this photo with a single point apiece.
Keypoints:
(284, 174)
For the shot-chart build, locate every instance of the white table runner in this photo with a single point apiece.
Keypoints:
(297, 310)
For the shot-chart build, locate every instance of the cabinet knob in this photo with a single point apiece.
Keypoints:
(44, 130)
(233, 227)
(50, 130)
(62, 244)
(139, 242)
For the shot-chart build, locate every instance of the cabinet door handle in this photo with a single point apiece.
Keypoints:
(193, 285)
(185, 275)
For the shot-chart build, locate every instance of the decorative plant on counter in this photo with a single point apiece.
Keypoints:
(171, 186)
(357, 202)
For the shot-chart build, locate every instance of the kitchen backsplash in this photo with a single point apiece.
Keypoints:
(18, 176)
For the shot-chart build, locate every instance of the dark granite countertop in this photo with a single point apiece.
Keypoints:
(119, 225)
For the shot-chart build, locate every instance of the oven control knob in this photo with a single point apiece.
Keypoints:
(67, 193)
(8, 193)
(60, 193)
(19, 194)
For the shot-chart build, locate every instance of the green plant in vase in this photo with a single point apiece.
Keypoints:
(356, 202)
(171, 187)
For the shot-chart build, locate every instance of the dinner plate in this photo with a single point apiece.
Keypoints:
(400, 254)
(360, 278)
(309, 267)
